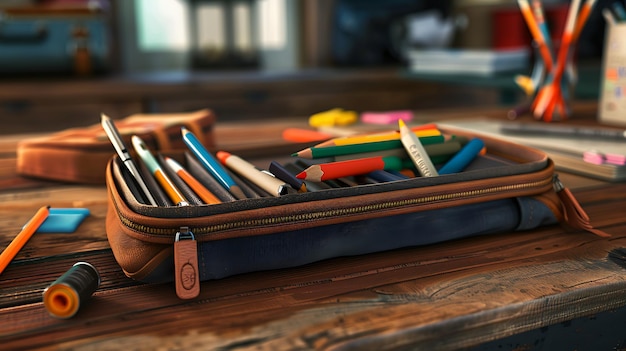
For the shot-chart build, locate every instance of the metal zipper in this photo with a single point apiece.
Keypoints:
(320, 215)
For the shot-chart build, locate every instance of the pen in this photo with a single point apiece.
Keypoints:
(154, 167)
(211, 164)
(268, 183)
(563, 130)
(24, 235)
(193, 183)
(122, 151)
(416, 151)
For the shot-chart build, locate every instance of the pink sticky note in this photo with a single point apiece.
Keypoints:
(616, 159)
(593, 157)
(389, 117)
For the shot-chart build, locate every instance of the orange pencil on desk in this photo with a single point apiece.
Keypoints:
(193, 183)
(340, 169)
(20, 240)
(151, 163)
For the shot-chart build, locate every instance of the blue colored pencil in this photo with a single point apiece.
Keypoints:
(211, 164)
(461, 159)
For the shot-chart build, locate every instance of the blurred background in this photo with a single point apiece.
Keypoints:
(62, 62)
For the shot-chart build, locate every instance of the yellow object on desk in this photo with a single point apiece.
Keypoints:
(334, 117)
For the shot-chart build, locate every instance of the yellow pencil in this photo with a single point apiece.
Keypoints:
(20, 240)
(416, 151)
(420, 131)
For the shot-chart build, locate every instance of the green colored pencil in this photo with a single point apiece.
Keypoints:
(331, 151)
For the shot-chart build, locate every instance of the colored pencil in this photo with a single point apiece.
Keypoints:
(339, 169)
(541, 22)
(282, 173)
(331, 151)
(22, 237)
(248, 171)
(153, 166)
(200, 173)
(463, 158)
(441, 151)
(197, 187)
(537, 34)
(550, 96)
(583, 16)
(299, 135)
(211, 164)
(381, 176)
(296, 167)
(421, 131)
(416, 151)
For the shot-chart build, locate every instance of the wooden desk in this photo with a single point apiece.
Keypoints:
(43, 105)
(451, 295)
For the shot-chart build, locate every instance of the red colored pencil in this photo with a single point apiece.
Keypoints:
(339, 169)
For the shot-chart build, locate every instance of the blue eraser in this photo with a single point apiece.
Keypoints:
(63, 220)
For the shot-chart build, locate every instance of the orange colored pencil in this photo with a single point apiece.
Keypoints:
(585, 11)
(197, 187)
(550, 96)
(537, 34)
(20, 240)
(340, 169)
(151, 163)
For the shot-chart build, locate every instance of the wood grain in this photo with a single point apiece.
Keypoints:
(445, 296)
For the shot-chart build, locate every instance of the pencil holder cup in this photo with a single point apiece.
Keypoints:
(553, 79)
(612, 106)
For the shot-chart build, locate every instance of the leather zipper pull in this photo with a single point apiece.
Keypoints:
(187, 277)
(575, 216)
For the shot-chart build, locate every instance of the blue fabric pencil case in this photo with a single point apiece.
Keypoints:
(511, 188)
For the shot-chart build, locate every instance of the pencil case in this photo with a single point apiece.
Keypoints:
(510, 188)
(80, 155)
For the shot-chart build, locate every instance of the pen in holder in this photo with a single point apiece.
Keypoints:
(554, 75)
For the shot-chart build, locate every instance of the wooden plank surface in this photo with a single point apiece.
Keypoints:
(445, 296)
(448, 295)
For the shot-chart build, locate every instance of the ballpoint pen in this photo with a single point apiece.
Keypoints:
(153, 165)
(122, 151)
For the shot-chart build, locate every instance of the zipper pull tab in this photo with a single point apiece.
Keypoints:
(575, 216)
(186, 273)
